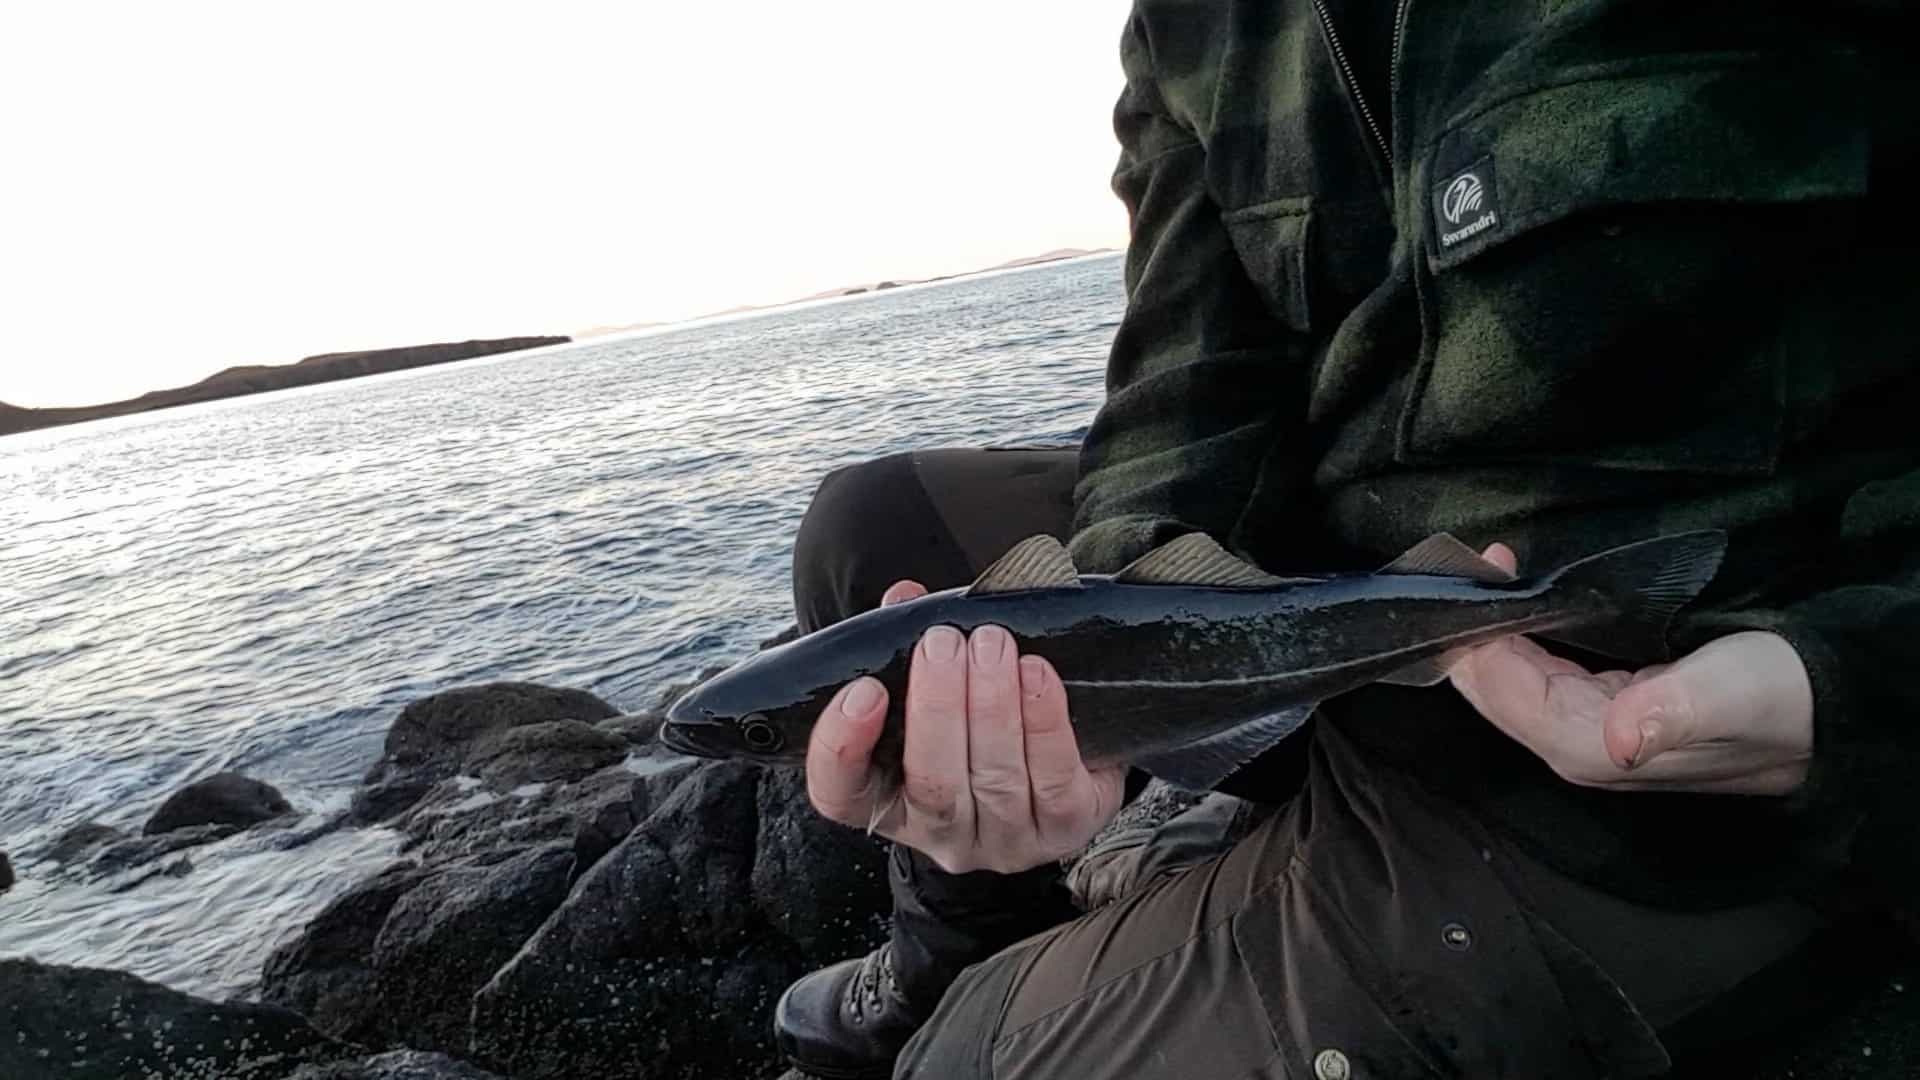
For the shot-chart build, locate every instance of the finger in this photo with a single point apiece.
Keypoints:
(934, 757)
(901, 591)
(1507, 681)
(1649, 718)
(1065, 796)
(996, 747)
(841, 782)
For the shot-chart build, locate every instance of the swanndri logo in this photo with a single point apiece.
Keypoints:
(1462, 197)
(1467, 205)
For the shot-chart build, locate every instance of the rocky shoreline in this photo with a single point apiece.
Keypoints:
(570, 900)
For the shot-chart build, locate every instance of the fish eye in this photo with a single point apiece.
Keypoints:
(762, 737)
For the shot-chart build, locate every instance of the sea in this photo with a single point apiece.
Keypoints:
(260, 584)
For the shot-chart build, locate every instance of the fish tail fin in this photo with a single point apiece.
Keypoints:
(1642, 586)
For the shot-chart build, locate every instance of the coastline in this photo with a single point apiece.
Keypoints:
(265, 378)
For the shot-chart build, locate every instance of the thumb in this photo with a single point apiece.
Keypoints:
(1649, 718)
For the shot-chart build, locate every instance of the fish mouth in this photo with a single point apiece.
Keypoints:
(687, 730)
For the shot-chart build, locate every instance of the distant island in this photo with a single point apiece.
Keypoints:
(258, 378)
(856, 290)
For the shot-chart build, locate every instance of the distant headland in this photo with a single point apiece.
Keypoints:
(329, 367)
(259, 378)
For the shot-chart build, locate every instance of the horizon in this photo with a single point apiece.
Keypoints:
(446, 172)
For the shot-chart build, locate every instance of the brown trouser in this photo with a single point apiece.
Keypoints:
(1369, 929)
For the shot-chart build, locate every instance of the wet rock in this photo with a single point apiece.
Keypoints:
(576, 903)
(464, 817)
(396, 1065)
(636, 729)
(680, 939)
(222, 799)
(445, 937)
(376, 803)
(137, 851)
(178, 868)
(89, 1024)
(326, 973)
(433, 735)
(78, 841)
(556, 750)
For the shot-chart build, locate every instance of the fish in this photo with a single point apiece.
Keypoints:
(1190, 661)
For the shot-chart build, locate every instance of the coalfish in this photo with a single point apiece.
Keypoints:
(1190, 662)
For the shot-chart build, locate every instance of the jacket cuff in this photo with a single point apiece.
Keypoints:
(1845, 758)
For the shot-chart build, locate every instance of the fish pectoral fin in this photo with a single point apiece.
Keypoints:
(1428, 672)
(1038, 562)
(1197, 559)
(1443, 555)
(1203, 763)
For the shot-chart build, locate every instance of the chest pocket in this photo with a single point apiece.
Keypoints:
(1612, 267)
(1312, 258)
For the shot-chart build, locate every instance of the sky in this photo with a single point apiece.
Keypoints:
(193, 185)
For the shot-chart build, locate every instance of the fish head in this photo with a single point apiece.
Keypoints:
(757, 710)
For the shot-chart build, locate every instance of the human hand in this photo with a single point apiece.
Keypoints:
(1734, 716)
(993, 776)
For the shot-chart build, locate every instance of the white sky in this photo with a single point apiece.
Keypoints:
(187, 186)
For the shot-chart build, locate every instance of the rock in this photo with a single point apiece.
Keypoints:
(397, 1065)
(398, 958)
(6, 873)
(326, 973)
(533, 753)
(433, 735)
(576, 903)
(137, 851)
(637, 729)
(222, 799)
(85, 1023)
(77, 841)
(462, 818)
(375, 803)
(444, 938)
(666, 958)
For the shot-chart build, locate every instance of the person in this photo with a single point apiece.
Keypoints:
(1551, 278)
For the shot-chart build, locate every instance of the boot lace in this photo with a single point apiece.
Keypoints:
(864, 989)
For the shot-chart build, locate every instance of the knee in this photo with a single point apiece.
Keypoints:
(837, 537)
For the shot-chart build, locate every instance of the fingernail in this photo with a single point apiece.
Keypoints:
(1033, 676)
(989, 644)
(861, 696)
(942, 643)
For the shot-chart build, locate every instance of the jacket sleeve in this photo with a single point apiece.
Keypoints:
(1860, 642)
(1201, 378)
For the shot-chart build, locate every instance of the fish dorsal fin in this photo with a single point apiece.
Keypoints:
(1195, 559)
(1038, 562)
(1441, 555)
(1205, 762)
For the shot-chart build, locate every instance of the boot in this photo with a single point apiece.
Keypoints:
(849, 1021)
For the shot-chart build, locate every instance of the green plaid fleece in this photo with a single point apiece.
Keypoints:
(1589, 271)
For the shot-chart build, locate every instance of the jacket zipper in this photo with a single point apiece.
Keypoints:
(1393, 65)
(1353, 83)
